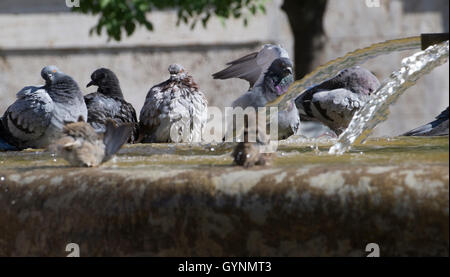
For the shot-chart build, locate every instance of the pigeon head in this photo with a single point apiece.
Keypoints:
(106, 81)
(59, 85)
(357, 79)
(50, 74)
(177, 72)
(279, 76)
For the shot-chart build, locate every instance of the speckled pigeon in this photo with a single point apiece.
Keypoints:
(174, 110)
(108, 103)
(38, 115)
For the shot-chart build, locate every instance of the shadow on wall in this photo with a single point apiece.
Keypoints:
(306, 19)
(29, 6)
(441, 6)
(127, 49)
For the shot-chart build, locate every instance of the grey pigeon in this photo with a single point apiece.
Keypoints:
(438, 127)
(252, 67)
(335, 101)
(38, 115)
(82, 146)
(174, 110)
(108, 103)
(269, 73)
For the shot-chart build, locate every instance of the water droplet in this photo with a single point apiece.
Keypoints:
(212, 149)
(2, 179)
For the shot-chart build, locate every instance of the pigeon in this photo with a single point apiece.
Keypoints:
(108, 103)
(252, 67)
(38, 115)
(263, 70)
(335, 101)
(272, 83)
(438, 127)
(174, 110)
(82, 146)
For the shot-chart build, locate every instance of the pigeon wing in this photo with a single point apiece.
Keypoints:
(29, 116)
(438, 127)
(115, 137)
(150, 113)
(252, 66)
(101, 108)
(336, 108)
(443, 115)
(127, 114)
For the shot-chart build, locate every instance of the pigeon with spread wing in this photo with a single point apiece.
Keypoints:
(270, 73)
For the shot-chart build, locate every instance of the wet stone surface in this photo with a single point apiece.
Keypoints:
(167, 200)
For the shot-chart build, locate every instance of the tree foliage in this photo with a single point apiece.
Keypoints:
(117, 16)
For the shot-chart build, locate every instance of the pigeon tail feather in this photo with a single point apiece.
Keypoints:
(4, 146)
(115, 137)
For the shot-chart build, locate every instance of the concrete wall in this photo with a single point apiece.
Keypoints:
(28, 41)
(33, 35)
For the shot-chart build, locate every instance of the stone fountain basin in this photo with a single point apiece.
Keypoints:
(188, 200)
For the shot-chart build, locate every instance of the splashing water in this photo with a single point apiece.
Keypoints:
(356, 57)
(377, 109)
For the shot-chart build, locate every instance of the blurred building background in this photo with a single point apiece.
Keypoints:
(37, 33)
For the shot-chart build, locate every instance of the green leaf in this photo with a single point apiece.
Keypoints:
(104, 3)
(117, 16)
(130, 27)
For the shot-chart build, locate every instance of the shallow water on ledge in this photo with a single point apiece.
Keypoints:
(291, 153)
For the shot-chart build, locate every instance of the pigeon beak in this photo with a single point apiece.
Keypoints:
(90, 84)
(289, 69)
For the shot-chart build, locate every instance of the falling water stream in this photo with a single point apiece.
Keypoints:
(376, 110)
